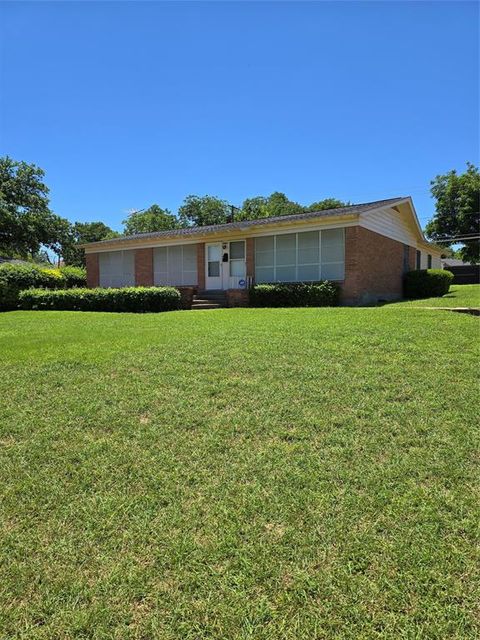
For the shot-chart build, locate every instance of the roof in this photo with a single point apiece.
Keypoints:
(453, 262)
(354, 209)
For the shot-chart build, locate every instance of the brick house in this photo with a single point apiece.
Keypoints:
(366, 248)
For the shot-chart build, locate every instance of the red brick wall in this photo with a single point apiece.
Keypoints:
(237, 297)
(201, 265)
(93, 270)
(412, 258)
(373, 267)
(144, 267)
(250, 257)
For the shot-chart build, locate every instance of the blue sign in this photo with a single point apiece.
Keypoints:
(241, 283)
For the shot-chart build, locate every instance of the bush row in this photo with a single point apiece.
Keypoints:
(133, 299)
(17, 277)
(427, 283)
(319, 294)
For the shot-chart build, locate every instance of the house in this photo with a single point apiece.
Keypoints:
(366, 248)
(463, 272)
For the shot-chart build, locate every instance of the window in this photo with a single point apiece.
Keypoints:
(429, 261)
(300, 257)
(117, 268)
(214, 255)
(419, 260)
(175, 265)
(237, 259)
(333, 254)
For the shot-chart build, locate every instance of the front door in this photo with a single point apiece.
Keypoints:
(213, 266)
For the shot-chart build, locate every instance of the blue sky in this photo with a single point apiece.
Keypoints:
(128, 103)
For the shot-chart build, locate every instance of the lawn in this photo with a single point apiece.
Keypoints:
(239, 474)
(460, 295)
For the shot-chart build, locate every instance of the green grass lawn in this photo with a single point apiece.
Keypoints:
(460, 295)
(233, 474)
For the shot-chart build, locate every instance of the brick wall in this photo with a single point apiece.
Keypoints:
(187, 294)
(144, 267)
(412, 258)
(250, 257)
(93, 270)
(201, 265)
(373, 267)
(236, 297)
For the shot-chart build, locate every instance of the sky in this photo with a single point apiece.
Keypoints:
(124, 104)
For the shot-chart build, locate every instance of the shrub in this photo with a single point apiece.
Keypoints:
(319, 294)
(134, 299)
(74, 276)
(427, 283)
(16, 277)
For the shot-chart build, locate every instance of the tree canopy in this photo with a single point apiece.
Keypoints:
(328, 203)
(203, 210)
(277, 204)
(82, 233)
(457, 215)
(26, 221)
(152, 219)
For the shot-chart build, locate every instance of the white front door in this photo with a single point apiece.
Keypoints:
(213, 266)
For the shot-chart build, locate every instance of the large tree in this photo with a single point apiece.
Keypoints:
(457, 216)
(327, 203)
(277, 204)
(203, 210)
(26, 222)
(152, 219)
(82, 233)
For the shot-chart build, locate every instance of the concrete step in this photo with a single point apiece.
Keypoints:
(196, 306)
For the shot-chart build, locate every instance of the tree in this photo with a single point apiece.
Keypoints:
(253, 209)
(327, 203)
(152, 219)
(277, 204)
(200, 211)
(457, 211)
(82, 233)
(26, 222)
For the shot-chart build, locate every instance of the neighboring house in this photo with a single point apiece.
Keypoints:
(366, 248)
(463, 272)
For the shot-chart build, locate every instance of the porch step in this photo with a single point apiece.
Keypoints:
(197, 306)
(209, 300)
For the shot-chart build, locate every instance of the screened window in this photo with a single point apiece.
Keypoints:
(429, 261)
(419, 260)
(333, 254)
(117, 268)
(300, 257)
(175, 265)
(237, 259)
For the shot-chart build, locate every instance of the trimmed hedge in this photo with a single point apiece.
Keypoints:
(427, 283)
(319, 294)
(17, 277)
(133, 299)
(74, 276)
